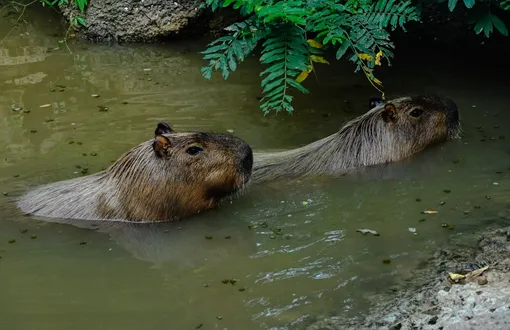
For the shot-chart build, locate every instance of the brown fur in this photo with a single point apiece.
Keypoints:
(386, 133)
(158, 180)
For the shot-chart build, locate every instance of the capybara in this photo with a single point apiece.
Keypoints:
(173, 176)
(389, 132)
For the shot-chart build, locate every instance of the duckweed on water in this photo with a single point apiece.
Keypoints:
(277, 231)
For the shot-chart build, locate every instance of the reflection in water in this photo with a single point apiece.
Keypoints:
(293, 247)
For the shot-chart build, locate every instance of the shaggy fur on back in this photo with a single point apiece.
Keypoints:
(142, 186)
(367, 140)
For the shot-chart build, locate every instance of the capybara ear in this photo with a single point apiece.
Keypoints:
(161, 146)
(163, 128)
(390, 113)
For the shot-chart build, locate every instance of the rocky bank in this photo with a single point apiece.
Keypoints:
(433, 301)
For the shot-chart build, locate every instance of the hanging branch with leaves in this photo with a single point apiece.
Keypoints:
(357, 27)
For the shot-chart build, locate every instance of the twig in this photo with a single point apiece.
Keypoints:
(19, 17)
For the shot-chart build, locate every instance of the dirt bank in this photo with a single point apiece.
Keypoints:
(432, 301)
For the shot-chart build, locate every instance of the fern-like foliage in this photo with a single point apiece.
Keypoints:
(484, 17)
(226, 52)
(285, 51)
(357, 27)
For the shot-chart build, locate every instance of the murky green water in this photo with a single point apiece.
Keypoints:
(169, 276)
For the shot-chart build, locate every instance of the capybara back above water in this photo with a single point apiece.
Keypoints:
(173, 176)
(389, 132)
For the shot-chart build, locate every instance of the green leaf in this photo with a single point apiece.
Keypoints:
(469, 3)
(81, 4)
(500, 26)
(296, 85)
(452, 4)
(343, 48)
(206, 72)
(81, 21)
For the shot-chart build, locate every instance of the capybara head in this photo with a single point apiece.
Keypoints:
(406, 125)
(221, 163)
(179, 174)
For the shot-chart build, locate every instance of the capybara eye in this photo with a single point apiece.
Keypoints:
(416, 112)
(194, 150)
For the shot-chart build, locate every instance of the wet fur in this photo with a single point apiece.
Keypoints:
(142, 186)
(375, 137)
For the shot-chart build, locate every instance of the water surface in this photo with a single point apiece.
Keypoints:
(89, 276)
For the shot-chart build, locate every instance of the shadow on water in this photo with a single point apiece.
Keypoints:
(293, 247)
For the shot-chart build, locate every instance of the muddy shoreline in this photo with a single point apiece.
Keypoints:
(429, 300)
